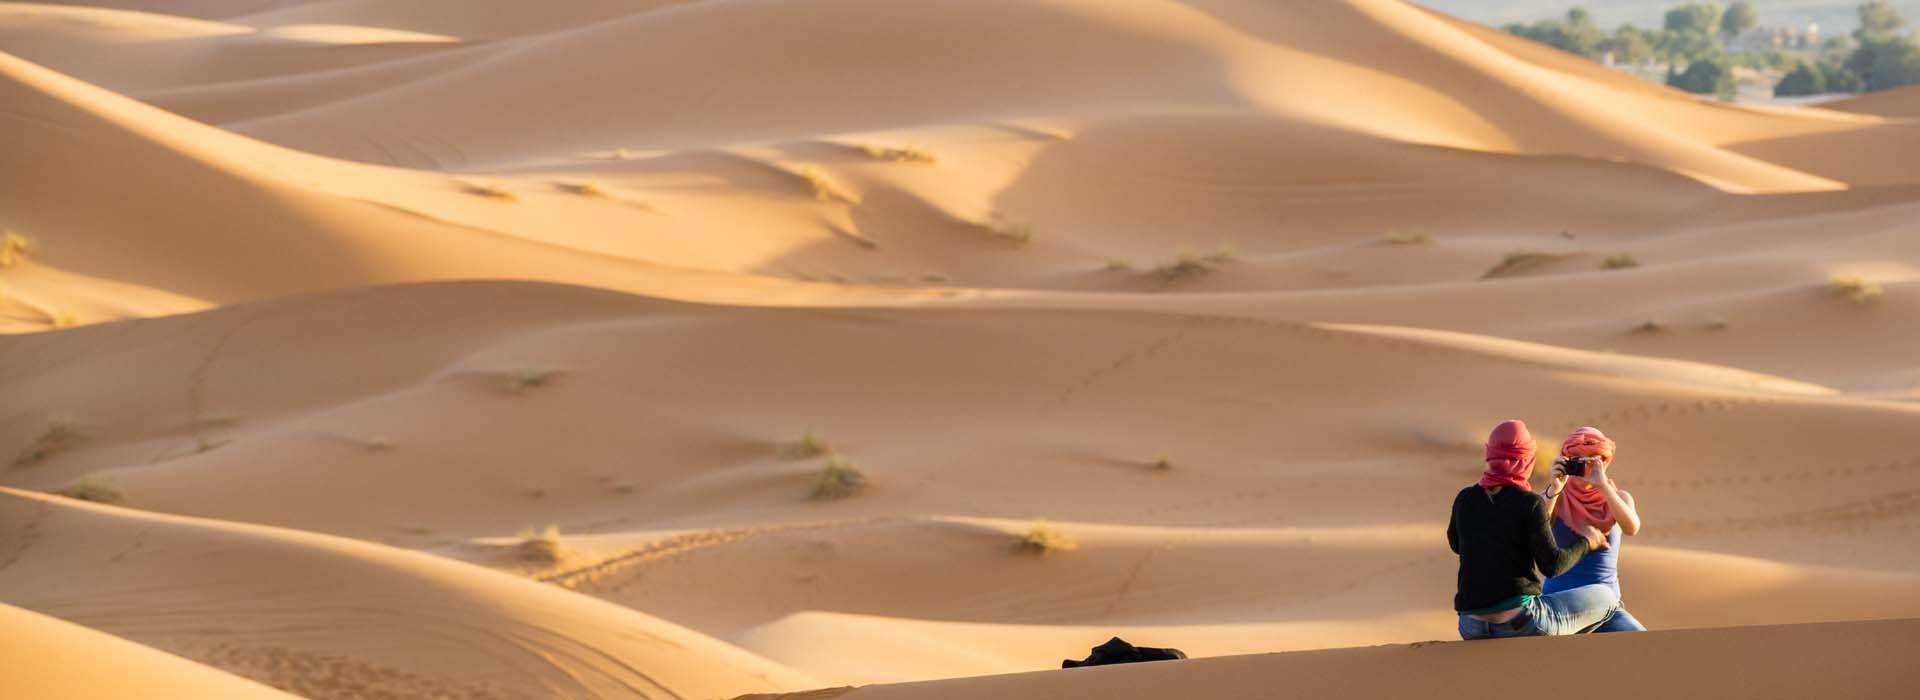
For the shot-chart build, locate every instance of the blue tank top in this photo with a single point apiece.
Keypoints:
(1601, 567)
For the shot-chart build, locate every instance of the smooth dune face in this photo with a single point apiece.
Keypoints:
(1226, 293)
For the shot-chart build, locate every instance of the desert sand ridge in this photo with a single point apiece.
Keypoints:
(488, 348)
(1856, 660)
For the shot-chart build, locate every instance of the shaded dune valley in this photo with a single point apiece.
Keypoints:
(874, 349)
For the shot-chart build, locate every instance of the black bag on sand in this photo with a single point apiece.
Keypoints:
(1118, 651)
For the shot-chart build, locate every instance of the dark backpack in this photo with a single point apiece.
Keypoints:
(1118, 651)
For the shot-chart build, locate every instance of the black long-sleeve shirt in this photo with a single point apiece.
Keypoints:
(1501, 539)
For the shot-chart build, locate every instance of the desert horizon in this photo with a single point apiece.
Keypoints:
(867, 349)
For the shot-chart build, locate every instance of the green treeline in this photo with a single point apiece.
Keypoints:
(1697, 44)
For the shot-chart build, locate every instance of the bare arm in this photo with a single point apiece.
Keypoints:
(1551, 559)
(1620, 501)
(1555, 483)
(1623, 510)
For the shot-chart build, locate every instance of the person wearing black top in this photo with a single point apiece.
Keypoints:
(1501, 531)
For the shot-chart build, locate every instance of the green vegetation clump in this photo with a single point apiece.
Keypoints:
(1697, 45)
(58, 433)
(524, 378)
(806, 445)
(1515, 260)
(95, 489)
(1619, 262)
(837, 479)
(1194, 264)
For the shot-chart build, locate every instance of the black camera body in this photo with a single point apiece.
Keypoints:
(1576, 466)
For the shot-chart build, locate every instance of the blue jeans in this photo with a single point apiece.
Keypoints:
(1622, 621)
(1571, 611)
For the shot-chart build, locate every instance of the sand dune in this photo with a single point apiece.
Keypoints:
(1863, 660)
(325, 617)
(66, 660)
(371, 294)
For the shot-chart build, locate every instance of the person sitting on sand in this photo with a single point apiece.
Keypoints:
(1590, 500)
(1500, 530)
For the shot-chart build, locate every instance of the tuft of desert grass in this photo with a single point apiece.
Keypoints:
(1162, 464)
(899, 154)
(64, 318)
(1649, 326)
(492, 189)
(1409, 237)
(524, 378)
(58, 433)
(540, 546)
(1619, 262)
(1043, 538)
(93, 488)
(1118, 265)
(1190, 264)
(837, 479)
(1000, 229)
(824, 187)
(934, 278)
(1717, 324)
(1858, 290)
(14, 248)
(1514, 260)
(806, 445)
(586, 188)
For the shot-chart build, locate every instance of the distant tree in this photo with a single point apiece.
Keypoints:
(1804, 80)
(1577, 34)
(1739, 18)
(1879, 19)
(1701, 18)
(1629, 45)
(1839, 79)
(1711, 76)
(1885, 62)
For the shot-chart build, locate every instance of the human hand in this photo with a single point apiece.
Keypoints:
(1596, 473)
(1596, 539)
(1557, 478)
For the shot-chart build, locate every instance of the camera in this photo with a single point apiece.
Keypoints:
(1576, 466)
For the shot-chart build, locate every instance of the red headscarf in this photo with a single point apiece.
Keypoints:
(1509, 456)
(1582, 503)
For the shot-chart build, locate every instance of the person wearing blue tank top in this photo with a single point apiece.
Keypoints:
(1591, 500)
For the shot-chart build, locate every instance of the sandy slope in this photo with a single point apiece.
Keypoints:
(398, 282)
(41, 657)
(332, 618)
(1856, 660)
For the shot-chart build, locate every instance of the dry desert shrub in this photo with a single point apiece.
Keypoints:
(824, 187)
(837, 479)
(1515, 260)
(540, 546)
(1043, 538)
(1118, 265)
(93, 488)
(1162, 464)
(14, 249)
(1858, 290)
(58, 433)
(1409, 237)
(586, 188)
(1619, 262)
(1000, 229)
(492, 189)
(1191, 264)
(806, 445)
(524, 378)
(898, 154)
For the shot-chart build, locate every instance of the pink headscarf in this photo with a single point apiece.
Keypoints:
(1509, 456)
(1582, 503)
